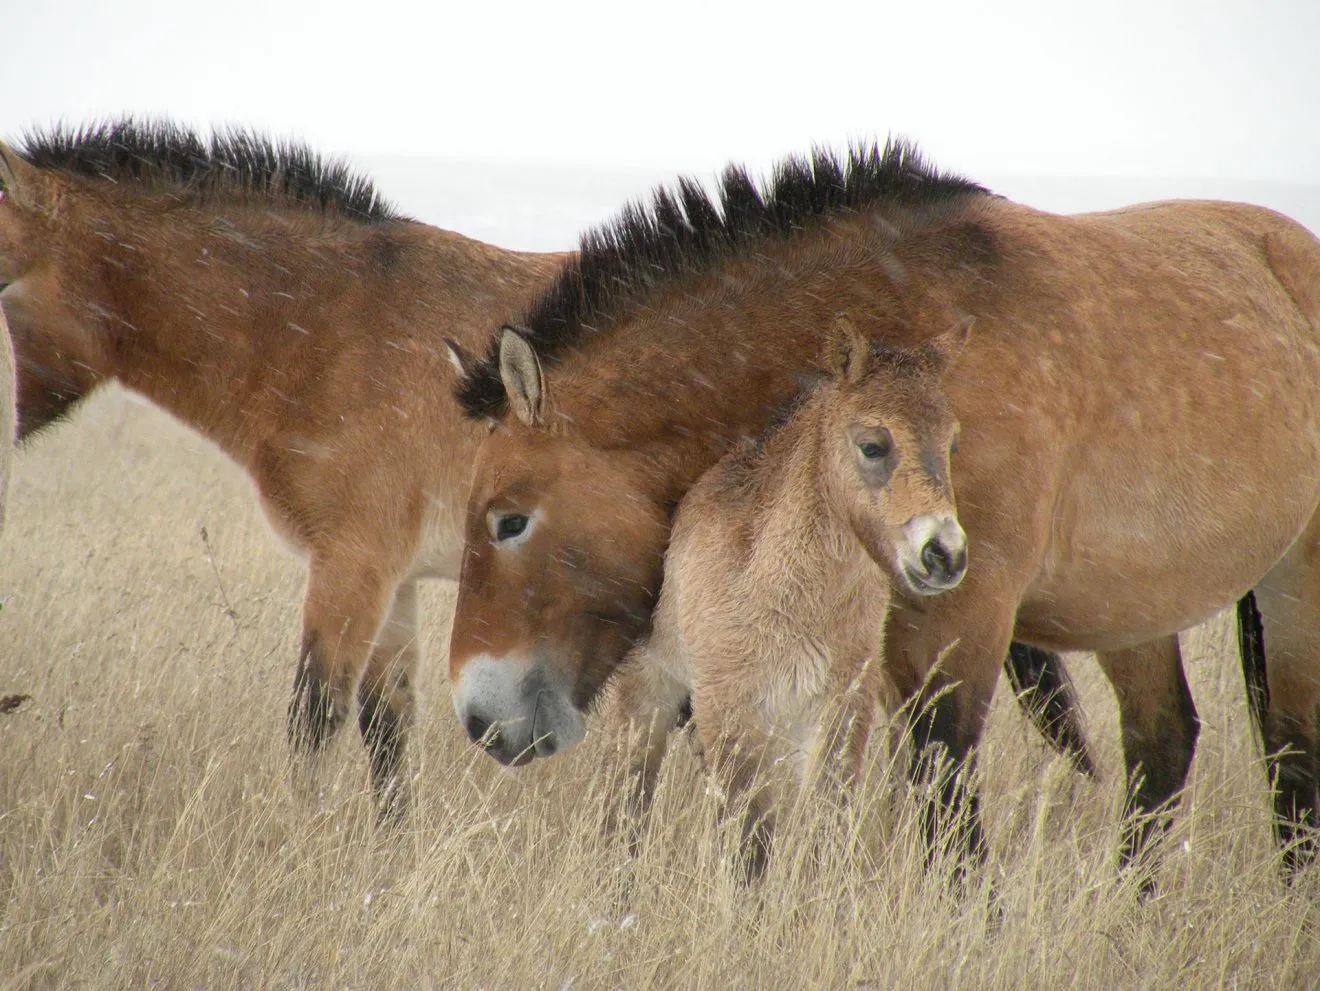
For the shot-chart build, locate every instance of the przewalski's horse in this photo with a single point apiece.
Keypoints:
(1140, 408)
(778, 574)
(8, 411)
(272, 301)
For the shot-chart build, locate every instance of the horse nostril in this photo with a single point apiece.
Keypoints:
(476, 728)
(936, 558)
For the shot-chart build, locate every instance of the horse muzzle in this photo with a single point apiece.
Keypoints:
(936, 560)
(516, 711)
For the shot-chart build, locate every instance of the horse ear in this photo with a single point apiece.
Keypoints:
(846, 350)
(943, 351)
(22, 181)
(520, 371)
(459, 357)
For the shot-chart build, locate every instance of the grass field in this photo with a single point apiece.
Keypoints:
(154, 833)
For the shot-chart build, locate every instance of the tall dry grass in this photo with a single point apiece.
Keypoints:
(154, 834)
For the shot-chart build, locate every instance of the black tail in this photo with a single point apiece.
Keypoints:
(1045, 691)
(1251, 644)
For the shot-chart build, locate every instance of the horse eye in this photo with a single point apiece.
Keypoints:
(508, 527)
(874, 450)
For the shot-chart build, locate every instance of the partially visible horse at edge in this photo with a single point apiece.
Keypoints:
(275, 303)
(1123, 477)
(8, 411)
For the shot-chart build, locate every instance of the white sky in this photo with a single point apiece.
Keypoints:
(1153, 88)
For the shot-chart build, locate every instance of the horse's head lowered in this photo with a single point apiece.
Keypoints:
(562, 566)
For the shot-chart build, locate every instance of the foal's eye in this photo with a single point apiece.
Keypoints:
(874, 450)
(508, 527)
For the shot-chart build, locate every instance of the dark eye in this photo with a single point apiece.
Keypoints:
(874, 450)
(508, 527)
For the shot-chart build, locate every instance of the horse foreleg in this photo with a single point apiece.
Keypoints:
(1289, 601)
(1159, 728)
(644, 706)
(347, 600)
(386, 702)
(949, 689)
(1043, 689)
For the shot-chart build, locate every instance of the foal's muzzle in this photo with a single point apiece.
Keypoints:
(941, 561)
(516, 711)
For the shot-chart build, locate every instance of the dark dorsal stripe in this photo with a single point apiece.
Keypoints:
(234, 161)
(685, 230)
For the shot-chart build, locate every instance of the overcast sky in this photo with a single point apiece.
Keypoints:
(1159, 87)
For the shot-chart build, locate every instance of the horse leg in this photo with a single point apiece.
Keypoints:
(645, 705)
(949, 677)
(1043, 689)
(346, 603)
(735, 744)
(1159, 727)
(1289, 602)
(386, 702)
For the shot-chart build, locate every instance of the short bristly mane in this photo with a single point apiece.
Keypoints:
(232, 161)
(685, 230)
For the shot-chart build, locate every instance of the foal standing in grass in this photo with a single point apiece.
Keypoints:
(778, 576)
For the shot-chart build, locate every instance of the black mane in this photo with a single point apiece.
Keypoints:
(685, 230)
(232, 160)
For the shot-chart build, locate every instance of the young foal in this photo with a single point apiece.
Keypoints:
(778, 573)
(273, 302)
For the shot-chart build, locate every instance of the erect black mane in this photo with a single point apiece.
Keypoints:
(232, 160)
(685, 230)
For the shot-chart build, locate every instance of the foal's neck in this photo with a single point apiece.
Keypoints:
(799, 530)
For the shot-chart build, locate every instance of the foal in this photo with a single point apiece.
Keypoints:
(779, 571)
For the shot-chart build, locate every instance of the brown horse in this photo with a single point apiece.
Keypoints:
(778, 577)
(1141, 416)
(8, 411)
(272, 301)
(208, 276)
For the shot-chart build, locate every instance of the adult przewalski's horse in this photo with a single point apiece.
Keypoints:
(1140, 408)
(8, 411)
(271, 300)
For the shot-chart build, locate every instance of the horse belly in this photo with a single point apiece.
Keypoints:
(1145, 553)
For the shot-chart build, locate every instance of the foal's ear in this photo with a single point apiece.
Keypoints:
(943, 351)
(846, 350)
(520, 371)
(22, 181)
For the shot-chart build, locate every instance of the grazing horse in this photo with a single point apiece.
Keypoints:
(275, 303)
(778, 577)
(1140, 408)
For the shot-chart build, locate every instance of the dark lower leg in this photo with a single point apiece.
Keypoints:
(1043, 689)
(1293, 779)
(1159, 728)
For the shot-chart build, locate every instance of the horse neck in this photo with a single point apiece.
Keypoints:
(193, 309)
(799, 533)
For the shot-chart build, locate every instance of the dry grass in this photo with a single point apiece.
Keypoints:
(153, 833)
